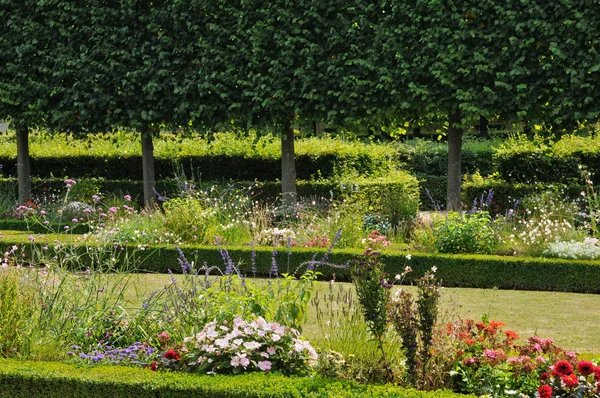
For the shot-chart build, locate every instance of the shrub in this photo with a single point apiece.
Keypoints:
(489, 361)
(586, 250)
(460, 233)
(239, 346)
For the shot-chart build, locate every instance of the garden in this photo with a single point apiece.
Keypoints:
(307, 199)
(346, 291)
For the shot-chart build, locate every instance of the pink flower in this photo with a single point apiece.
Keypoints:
(31, 238)
(235, 361)
(127, 198)
(244, 362)
(265, 366)
(271, 350)
(74, 220)
(251, 345)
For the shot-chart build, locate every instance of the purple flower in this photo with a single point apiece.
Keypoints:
(127, 198)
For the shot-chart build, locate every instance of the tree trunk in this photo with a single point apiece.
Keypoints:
(148, 167)
(484, 129)
(23, 166)
(454, 154)
(288, 167)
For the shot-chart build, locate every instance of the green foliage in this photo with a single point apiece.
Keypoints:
(399, 204)
(457, 233)
(117, 156)
(48, 379)
(17, 300)
(373, 293)
(414, 320)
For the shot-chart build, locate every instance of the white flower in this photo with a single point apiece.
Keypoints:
(408, 256)
(251, 345)
(433, 269)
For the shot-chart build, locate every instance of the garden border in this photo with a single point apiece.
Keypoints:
(453, 270)
(52, 379)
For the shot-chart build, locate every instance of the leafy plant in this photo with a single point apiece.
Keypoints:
(239, 346)
(373, 292)
(458, 233)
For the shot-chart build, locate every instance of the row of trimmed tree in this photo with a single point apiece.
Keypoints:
(198, 65)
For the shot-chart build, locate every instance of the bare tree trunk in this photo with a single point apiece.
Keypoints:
(288, 167)
(454, 159)
(148, 166)
(484, 129)
(23, 165)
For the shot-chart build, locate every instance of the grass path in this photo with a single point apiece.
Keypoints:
(571, 319)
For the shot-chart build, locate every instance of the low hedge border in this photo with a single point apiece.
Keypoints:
(52, 379)
(467, 271)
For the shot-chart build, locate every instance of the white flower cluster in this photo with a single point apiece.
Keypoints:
(255, 345)
(586, 250)
(275, 236)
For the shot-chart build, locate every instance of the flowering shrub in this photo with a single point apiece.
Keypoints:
(223, 347)
(586, 250)
(376, 240)
(565, 380)
(276, 237)
(489, 361)
(317, 242)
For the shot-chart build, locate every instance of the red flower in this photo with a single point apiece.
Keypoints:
(597, 372)
(570, 380)
(154, 366)
(511, 335)
(544, 376)
(563, 368)
(172, 354)
(585, 368)
(545, 391)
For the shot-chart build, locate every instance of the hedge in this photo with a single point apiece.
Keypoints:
(524, 160)
(506, 194)
(426, 157)
(399, 184)
(51, 379)
(466, 271)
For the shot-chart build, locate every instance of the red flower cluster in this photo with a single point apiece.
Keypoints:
(173, 355)
(545, 391)
(564, 371)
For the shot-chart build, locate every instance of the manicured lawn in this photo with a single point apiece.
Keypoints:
(571, 319)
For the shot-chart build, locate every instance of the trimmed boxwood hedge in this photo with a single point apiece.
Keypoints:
(51, 379)
(209, 167)
(472, 271)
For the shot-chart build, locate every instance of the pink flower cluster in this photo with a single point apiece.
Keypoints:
(246, 346)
